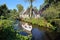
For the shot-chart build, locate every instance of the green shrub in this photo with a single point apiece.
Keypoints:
(6, 23)
(7, 31)
(41, 22)
(24, 37)
(56, 23)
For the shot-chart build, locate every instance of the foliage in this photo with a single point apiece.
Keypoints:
(13, 14)
(4, 10)
(56, 23)
(30, 1)
(7, 20)
(51, 1)
(41, 22)
(6, 30)
(24, 37)
(52, 12)
(1, 17)
(19, 7)
(6, 13)
(5, 23)
(8, 33)
(31, 6)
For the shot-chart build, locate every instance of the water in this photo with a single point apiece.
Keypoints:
(17, 27)
(36, 33)
(24, 33)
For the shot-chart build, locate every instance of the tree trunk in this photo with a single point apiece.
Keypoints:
(31, 9)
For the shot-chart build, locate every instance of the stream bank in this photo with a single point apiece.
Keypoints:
(51, 35)
(48, 34)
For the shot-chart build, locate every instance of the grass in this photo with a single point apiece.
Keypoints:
(41, 22)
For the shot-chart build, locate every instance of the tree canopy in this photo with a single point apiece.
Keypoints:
(19, 7)
(4, 10)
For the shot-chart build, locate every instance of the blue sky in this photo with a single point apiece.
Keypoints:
(11, 4)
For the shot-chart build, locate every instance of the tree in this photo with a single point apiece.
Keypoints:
(51, 1)
(4, 10)
(52, 11)
(30, 1)
(13, 14)
(20, 7)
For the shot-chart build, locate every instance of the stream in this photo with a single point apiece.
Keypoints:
(37, 34)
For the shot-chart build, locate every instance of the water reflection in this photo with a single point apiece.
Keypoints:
(36, 33)
(24, 33)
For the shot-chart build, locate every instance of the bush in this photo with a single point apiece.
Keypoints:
(7, 31)
(52, 12)
(41, 23)
(6, 23)
(56, 23)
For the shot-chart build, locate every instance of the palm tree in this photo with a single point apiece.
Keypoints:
(31, 6)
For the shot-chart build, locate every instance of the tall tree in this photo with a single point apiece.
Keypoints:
(19, 7)
(30, 1)
(4, 10)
